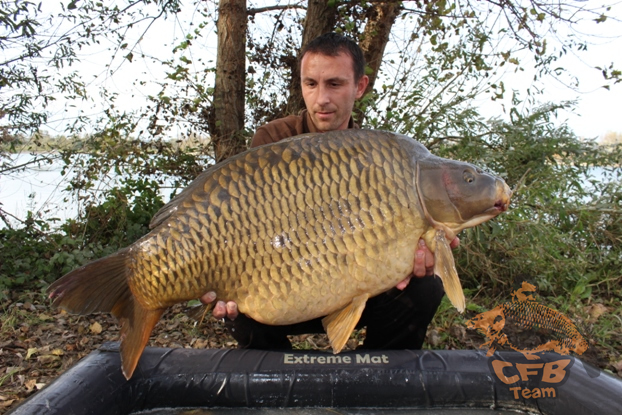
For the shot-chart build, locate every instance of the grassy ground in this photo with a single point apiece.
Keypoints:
(38, 343)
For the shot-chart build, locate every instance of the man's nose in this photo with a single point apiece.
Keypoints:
(323, 95)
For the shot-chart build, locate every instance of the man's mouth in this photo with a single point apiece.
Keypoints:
(324, 114)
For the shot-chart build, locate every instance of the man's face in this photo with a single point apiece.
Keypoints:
(330, 89)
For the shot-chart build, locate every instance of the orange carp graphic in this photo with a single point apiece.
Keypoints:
(528, 314)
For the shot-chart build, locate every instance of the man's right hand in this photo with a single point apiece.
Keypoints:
(222, 309)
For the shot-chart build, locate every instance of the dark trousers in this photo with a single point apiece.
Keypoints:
(394, 320)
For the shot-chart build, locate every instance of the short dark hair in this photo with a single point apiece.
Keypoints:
(332, 44)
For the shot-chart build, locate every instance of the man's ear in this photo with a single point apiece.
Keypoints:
(362, 86)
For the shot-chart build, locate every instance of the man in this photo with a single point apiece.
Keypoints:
(332, 78)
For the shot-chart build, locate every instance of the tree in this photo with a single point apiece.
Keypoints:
(226, 123)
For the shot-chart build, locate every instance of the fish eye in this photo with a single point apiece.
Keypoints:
(468, 176)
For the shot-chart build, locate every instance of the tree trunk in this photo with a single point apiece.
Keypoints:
(226, 118)
(321, 18)
(380, 18)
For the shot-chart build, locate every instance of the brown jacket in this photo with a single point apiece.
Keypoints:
(286, 127)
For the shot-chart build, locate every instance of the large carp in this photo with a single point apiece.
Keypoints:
(307, 227)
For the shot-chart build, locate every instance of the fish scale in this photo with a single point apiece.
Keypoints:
(307, 227)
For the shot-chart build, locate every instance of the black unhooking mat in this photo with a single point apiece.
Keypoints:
(190, 378)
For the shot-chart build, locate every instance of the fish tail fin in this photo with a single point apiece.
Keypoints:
(96, 287)
(101, 286)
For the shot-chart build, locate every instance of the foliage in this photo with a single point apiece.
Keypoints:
(25, 256)
(41, 44)
(34, 254)
(563, 230)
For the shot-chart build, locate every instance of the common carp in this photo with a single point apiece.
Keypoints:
(306, 227)
(524, 312)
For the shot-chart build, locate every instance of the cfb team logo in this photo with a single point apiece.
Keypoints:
(530, 379)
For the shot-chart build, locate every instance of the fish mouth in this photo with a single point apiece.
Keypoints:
(504, 194)
(501, 205)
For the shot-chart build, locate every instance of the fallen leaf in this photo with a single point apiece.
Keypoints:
(595, 311)
(7, 403)
(57, 352)
(458, 331)
(96, 328)
(47, 359)
(31, 351)
(200, 344)
(30, 384)
(433, 337)
(45, 317)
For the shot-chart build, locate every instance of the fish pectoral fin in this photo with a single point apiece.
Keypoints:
(137, 324)
(445, 268)
(199, 312)
(339, 325)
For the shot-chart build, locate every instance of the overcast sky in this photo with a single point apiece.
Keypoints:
(598, 110)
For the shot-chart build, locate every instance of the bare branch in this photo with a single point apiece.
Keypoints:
(258, 10)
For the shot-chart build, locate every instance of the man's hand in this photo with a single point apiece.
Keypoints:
(424, 262)
(221, 309)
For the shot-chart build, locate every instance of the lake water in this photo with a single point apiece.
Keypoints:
(39, 188)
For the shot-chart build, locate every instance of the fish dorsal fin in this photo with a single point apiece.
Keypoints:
(445, 268)
(170, 208)
(339, 325)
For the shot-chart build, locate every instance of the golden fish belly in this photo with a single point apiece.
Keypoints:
(291, 232)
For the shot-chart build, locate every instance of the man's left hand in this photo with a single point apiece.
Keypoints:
(424, 262)
(221, 309)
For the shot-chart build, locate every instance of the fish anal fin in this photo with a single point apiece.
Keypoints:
(340, 324)
(137, 324)
(445, 268)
